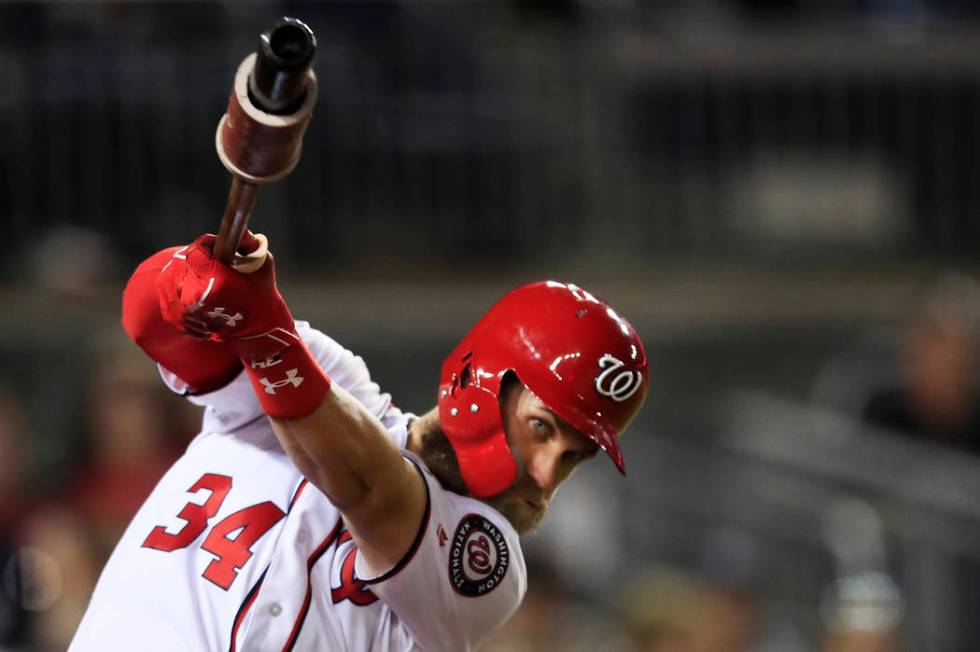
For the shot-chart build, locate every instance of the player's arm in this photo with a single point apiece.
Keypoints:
(335, 441)
(181, 347)
(345, 451)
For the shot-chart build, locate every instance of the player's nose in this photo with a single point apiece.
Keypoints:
(543, 469)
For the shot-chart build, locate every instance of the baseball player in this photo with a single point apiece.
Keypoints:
(310, 513)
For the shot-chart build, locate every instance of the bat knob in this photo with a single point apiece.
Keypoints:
(278, 82)
(261, 134)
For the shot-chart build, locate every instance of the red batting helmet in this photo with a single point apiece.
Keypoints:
(584, 361)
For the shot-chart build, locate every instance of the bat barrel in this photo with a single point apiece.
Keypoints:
(260, 136)
(258, 145)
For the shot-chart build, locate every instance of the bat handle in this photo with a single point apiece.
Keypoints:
(241, 201)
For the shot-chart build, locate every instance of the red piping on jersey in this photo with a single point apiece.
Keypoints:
(254, 593)
(242, 610)
(299, 490)
(423, 526)
(301, 617)
(338, 529)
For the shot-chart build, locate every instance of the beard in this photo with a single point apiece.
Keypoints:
(522, 515)
(438, 455)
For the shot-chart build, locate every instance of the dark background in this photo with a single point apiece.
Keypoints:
(781, 196)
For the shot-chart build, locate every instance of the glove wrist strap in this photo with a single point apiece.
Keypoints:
(289, 384)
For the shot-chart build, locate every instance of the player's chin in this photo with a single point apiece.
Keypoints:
(523, 515)
(532, 521)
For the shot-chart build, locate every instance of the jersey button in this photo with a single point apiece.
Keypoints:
(275, 609)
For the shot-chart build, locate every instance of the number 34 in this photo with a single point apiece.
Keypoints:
(232, 554)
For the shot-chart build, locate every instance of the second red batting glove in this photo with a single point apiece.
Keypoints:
(202, 365)
(205, 298)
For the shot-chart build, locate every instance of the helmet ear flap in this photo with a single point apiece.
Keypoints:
(470, 415)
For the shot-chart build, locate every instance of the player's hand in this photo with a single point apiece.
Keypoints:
(202, 365)
(239, 305)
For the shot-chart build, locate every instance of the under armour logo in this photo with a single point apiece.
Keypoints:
(614, 381)
(230, 320)
(292, 378)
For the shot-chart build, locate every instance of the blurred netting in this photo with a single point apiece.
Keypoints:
(700, 161)
(442, 127)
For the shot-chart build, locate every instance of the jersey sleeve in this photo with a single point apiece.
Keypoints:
(462, 578)
(236, 405)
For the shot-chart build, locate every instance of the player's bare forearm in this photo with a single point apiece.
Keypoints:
(343, 447)
(337, 443)
(346, 453)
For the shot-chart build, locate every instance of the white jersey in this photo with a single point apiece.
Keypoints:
(235, 551)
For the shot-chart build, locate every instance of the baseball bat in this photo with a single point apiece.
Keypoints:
(260, 136)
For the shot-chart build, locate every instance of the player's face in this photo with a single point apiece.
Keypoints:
(547, 451)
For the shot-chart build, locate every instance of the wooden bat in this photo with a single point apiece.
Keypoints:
(260, 137)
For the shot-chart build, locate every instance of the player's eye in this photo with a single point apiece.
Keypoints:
(540, 425)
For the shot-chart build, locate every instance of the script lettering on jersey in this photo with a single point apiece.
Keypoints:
(478, 555)
(351, 588)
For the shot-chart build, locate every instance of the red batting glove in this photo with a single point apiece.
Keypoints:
(204, 298)
(203, 365)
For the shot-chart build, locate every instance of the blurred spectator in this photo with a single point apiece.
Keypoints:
(552, 618)
(14, 507)
(937, 394)
(934, 396)
(537, 625)
(862, 613)
(859, 641)
(13, 442)
(671, 611)
(60, 568)
(73, 261)
(134, 434)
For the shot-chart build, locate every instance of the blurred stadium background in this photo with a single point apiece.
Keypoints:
(782, 195)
